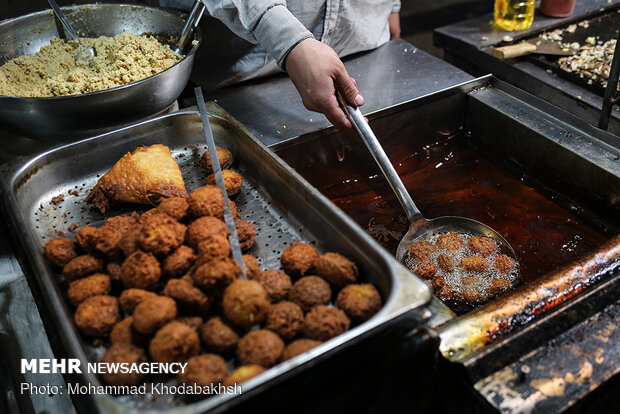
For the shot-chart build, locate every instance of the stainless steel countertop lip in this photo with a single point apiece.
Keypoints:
(72, 341)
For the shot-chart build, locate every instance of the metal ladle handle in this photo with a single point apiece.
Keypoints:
(375, 148)
(63, 19)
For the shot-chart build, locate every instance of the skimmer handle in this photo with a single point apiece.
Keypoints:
(375, 148)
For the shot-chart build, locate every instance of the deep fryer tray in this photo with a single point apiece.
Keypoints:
(284, 207)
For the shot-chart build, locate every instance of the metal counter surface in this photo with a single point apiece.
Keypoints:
(468, 44)
(394, 73)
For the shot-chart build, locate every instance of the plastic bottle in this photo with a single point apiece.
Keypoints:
(514, 14)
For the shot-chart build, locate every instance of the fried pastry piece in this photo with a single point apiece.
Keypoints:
(143, 176)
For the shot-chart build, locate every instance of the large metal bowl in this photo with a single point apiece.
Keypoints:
(75, 116)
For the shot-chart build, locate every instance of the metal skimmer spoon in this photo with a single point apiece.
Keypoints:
(85, 53)
(420, 228)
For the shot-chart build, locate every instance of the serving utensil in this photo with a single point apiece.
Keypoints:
(85, 53)
(233, 239)
(420, 228)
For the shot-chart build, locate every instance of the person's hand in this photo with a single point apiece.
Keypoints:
(394, 23)
(316, 71)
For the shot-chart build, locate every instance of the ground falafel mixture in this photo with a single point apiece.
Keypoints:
(54, 70)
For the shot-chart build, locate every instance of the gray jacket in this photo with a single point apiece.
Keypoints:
(276, 26)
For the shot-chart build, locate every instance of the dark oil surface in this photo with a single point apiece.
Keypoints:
(450, 177)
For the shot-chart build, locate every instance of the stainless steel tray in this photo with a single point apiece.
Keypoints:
(284, 207)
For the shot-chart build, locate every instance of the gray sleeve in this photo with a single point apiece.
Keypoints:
(267, 22)
(395, 6)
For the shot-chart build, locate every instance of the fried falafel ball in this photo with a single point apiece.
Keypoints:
(216, 274)
(124, 332)
(252, 269)
(119, 353)
(175, 207)
(232, 181)
(97, 315)
(484, 246)
(299, 258)
(187, 295)
(213, 247)
(108, 240)
(421, 250)
(450, 242)
(261, 347)
(130, 298)
(298, 347)
(276, 283)
(438, 283)
(82, 266)
(310, 291)
(218, 335)
(140, 270)
(336, 269)
(203, 228)
(498, 286)
(114, 270)
(104, 240)
(161, 234)
(359, 302)
(179, 262)
(204, 370)
(246, 232)
(245, 303)
(147, 214)
(503, 263)
(153, 313)
(242, 373)
(206, 201)
(60, 251)
(223, 156)
(85, 238)
(174, 342)
(325, 322)
(426, 270)
(129, 243)
(469, 280)
(93, 285)
(286, 319)
(122, 223)
(474, 264)
(445, 263)
(194, 322)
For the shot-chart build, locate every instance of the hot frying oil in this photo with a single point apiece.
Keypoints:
(450, 177)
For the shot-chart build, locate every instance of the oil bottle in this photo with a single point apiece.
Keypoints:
(514, 14)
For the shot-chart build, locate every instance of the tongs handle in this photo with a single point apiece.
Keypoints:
(193, 18)
(372, 143)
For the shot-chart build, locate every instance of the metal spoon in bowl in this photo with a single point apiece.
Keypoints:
(85, 53)
(420, 228)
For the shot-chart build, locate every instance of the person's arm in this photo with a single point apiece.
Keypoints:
(394, 20)
(314, 67)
